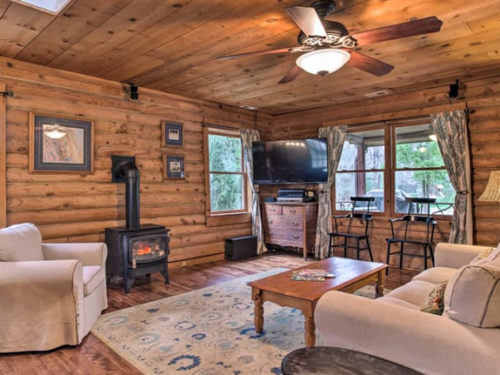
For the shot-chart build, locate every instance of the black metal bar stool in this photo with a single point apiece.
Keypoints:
(364, 217)
(421, 205)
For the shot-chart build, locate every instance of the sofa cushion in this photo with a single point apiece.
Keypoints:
(434, 303)
(397, 302)
(414, 292)
(473, 294)
(20, 242)
(436, 275)
(92, 277)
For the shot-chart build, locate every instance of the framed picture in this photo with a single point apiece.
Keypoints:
(171, 133)
(60, 144)
(173, 167)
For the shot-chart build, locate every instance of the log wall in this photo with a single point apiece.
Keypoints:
(74, 207)
(482, 97)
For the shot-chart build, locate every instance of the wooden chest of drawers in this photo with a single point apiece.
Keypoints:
(290, 224)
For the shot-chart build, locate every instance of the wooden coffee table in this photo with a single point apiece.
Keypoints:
(350, 275)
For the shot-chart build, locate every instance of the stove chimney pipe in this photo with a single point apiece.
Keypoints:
(132, 195)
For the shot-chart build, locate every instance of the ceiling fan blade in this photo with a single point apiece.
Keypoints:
(308, 20)
(401, 30)
(258, 53)
(291, 75)
(368, 64)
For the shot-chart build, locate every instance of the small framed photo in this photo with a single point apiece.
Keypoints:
(60, 144)
(173, 167)
(171, 133)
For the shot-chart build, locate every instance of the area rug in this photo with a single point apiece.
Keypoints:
(208, 331)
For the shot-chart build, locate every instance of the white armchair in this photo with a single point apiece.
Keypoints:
(50, 294)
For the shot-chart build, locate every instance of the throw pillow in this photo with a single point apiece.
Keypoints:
(20, 242)
(473, 294)
(495, 254)
(434, 302)
(482, 255)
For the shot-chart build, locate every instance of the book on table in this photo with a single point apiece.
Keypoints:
(311, 275)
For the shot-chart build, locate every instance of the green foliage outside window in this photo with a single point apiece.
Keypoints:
(226, 184)
(428, 183)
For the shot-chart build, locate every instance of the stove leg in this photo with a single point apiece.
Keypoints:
(127, 284)
(164, 272)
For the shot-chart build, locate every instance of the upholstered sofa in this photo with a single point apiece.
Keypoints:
(50, 294)
(394, 327)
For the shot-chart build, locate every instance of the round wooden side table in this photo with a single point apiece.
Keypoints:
(327, 360)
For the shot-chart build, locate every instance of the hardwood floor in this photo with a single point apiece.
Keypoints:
(93, 357)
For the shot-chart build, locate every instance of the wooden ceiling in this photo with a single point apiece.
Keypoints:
(172, 46)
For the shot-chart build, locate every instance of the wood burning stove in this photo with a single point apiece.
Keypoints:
(134, 250)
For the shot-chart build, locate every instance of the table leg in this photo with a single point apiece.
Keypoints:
(379, 286)
(309, 331)
(258, 311)
(309, 326)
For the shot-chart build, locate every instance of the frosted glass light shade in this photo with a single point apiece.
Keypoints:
(323, 61)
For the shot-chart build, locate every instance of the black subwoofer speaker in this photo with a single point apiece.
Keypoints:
(241, 247)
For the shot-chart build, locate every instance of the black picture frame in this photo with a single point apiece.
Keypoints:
(173, 167)
(69, 149)
(172, 133)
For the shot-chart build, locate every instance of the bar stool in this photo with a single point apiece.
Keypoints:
(410, 219)
(365, 218)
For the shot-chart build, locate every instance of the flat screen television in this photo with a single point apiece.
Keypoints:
(290, 162)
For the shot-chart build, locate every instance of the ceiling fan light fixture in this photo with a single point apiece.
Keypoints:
(323, 61)
(54, 131)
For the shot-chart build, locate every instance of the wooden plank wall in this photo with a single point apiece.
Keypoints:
(482, 98)
(3, 158)
(69, 207)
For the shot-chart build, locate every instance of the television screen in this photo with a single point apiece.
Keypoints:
(290, 162)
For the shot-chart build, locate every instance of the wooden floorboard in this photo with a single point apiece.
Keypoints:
(93, 357)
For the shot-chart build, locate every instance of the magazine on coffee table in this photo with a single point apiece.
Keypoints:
(311, 275)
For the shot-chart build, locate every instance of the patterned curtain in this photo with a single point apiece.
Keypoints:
(335, 137)
(248, 136)
(451, 132)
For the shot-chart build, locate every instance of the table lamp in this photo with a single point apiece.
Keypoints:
(492, 191)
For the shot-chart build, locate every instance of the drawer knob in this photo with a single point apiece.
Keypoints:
(296, 223)
(292, 211)
(296, 237)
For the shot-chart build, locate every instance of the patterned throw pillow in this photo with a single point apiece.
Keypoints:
(482, 255)
(434, 303)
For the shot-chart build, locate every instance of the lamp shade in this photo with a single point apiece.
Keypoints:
(492, 191)
(323, 61)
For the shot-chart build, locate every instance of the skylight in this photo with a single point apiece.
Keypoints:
(49, 6)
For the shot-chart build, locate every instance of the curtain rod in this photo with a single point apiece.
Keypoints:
(393, 121)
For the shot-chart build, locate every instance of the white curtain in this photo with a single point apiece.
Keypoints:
(335, 137)
(451, 132)
(248, 136)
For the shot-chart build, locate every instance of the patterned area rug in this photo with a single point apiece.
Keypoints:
(205, 332)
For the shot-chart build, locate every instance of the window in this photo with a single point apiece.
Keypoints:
(419, 169)
(226, 180)
(391, 162)
(361, 169)
(49, 6)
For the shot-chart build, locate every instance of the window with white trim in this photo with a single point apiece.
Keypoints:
(393, 161)
(226, 179)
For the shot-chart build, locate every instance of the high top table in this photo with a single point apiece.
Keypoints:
(350, 275)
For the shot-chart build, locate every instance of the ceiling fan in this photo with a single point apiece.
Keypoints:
(328, 45)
